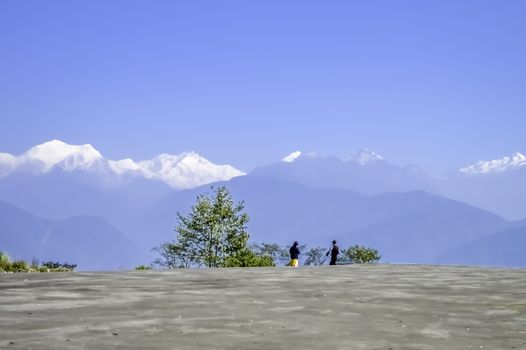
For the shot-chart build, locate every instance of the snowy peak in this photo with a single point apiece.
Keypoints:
(291, 157)
(57, 153)
(365, 156)
(185, 170)
(295, 156)
(514, 161)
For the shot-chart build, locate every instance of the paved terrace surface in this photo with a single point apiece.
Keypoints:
(342, 307)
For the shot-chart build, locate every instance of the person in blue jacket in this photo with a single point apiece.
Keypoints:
(294, 254)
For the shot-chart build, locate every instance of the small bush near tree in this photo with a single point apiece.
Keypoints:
(19, 266)
(315, 256)
(248, 258)
(279, 255)
(143, 268)
(361, 255)
(174, 255)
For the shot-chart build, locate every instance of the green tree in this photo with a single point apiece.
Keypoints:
(213, 231)
(361, 255)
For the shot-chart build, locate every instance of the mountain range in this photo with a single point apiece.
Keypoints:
(59, 200)
(497, 185)
(185, 170)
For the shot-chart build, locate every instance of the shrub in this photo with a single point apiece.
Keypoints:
(58, 267)
(361, 255)
(174, 255)
(5, 263)
(279, 255)
(143, 267)
(19, 266)
(248, 258)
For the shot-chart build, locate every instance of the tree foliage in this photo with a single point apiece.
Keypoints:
(361, 255)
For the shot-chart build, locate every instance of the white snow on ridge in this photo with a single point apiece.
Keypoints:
(186, 170)
(362, 157)
(291, 157)
(123, 166)
(7, 163)
(365, 156)
(496, 165)
(56, 152)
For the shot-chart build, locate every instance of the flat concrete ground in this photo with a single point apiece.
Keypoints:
(342, 307)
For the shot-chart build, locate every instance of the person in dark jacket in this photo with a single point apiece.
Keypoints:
(334, 251)
(294, 254)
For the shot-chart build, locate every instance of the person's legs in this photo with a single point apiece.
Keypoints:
(333, 262)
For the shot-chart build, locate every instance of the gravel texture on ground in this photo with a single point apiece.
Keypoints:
(340, 307)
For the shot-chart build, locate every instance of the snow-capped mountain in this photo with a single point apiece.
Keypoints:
(365, 172)
(514, 161)
(185, 170)
(496, 185)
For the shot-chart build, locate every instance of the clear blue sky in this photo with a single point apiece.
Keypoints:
(435, 83)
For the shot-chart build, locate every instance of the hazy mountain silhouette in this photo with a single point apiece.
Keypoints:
(58, 195)
(425, 226)
(88, 241)
(504, 248)
(502, 192)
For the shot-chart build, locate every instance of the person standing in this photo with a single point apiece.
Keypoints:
(294, 254)
(334, 251)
